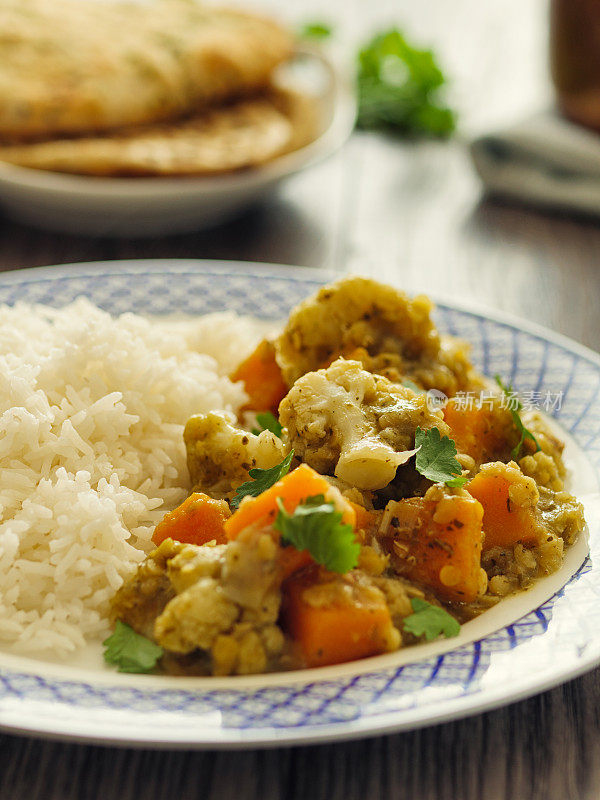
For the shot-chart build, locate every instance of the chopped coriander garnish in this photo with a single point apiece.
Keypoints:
(315, 525)
(130, 651)
(262, 479)
(398, 88)
(515, 406)
(315, 30)
(430, 621)
(436, 457)
(267, 422)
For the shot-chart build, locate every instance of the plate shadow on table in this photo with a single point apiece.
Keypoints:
(275, 230)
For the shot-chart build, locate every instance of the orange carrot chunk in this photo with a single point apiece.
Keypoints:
(439, 544)
(335, 618)
(364, 519)
(292, 560)
(485, 432)
(262, 379)
(198, 520)
(504, 522)
(293, 489)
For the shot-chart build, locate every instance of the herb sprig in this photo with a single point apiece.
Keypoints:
(436, 458)
(430, 621)
(262, 479)
(398, 88)
(316, 30)
(268, 422)
(130, 651)
(515, 406)
(315, 525)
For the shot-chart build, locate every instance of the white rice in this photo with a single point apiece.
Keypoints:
(91, 455)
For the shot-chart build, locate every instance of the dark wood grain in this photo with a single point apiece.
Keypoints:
(411, 213)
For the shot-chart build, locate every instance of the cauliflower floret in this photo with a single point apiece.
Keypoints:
(246, 651)
(251, 575)
(221, 599)
(385, 330)
(193, 563)
(195, 617)
(354, 312)
(356, 425)
(146, 593)
(219, 455)
(237, 582)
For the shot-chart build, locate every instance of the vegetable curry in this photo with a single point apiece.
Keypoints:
(346, 514)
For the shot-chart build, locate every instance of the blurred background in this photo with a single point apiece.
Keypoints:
(411, 211)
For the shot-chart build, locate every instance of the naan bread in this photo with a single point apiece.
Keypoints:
(243, 134)
(74, 66)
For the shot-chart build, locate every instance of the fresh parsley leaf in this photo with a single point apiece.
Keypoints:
(262, 479)
(515, 406)
(436, 458)
(398, 87)
(268, 422)
(316, 526)
(315, 30)
(430, 621)
(130, 651)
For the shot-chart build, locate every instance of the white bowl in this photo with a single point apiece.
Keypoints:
(155, 206)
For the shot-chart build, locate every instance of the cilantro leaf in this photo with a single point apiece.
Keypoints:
(130, 651)
(262, 479)
(398, 87)
(430, 621)
(316, 526)
(515, 406)
(268, 422)
(315, 30)
(436, 458)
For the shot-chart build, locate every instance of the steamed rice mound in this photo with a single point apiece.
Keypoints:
(91, 456)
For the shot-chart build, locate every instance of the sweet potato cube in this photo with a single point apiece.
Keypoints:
(291, 560)
(438, 543)
(509, 501)
(485, 432)
(293, 489)
(336, 618)
(364, 519)
(262, 379)
(198, 520)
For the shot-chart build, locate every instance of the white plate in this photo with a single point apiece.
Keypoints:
(156, 206)
(524, 645)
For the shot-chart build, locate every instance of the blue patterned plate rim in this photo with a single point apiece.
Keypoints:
(285, 272)
(365, 704)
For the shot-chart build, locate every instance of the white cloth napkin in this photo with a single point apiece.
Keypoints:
(545, 160)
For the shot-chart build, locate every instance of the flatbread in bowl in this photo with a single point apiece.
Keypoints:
(242, 134)
(72, 67)
(118, 118)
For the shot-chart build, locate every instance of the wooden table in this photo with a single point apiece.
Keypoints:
(413, 214)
